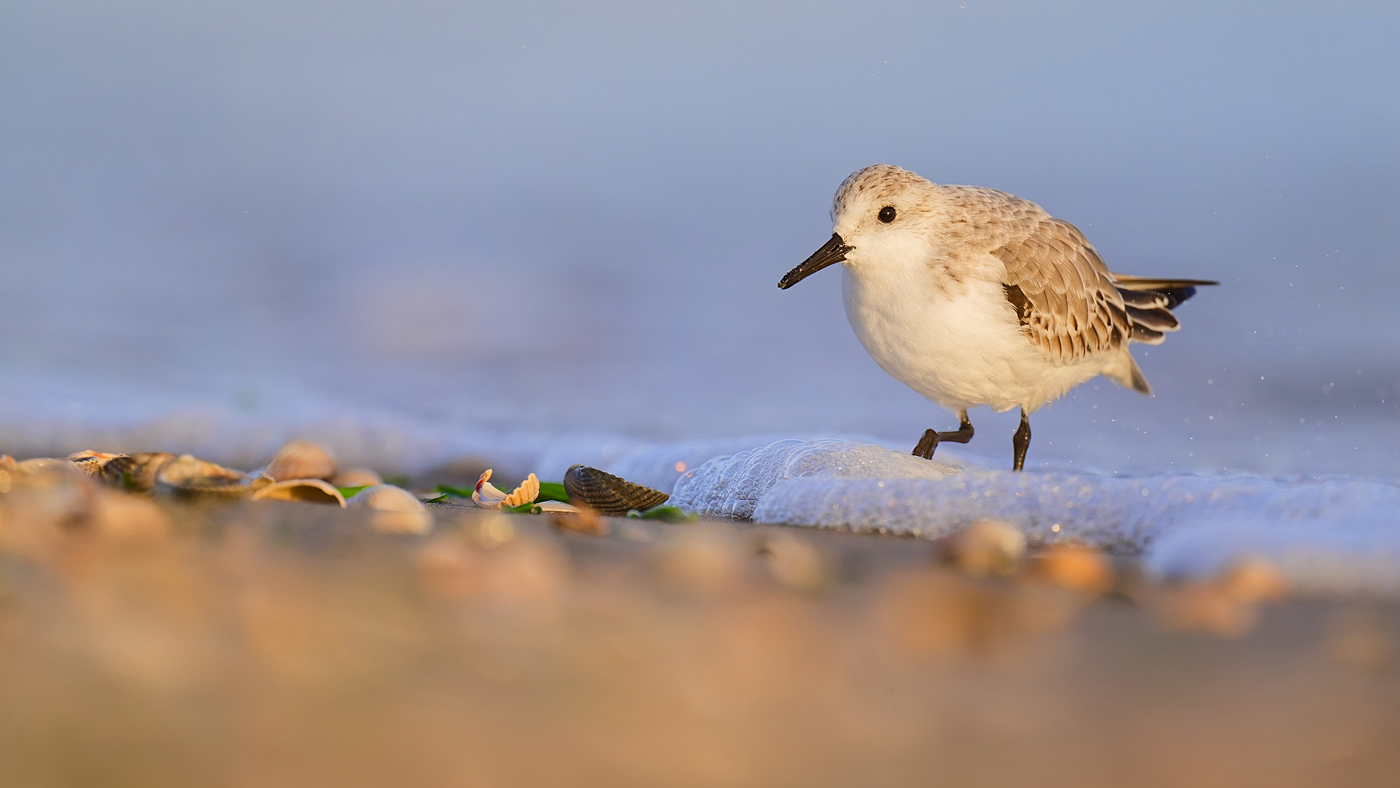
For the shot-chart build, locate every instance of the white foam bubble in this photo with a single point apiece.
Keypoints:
(1333, 534)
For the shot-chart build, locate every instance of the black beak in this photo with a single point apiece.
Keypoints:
(832, 252)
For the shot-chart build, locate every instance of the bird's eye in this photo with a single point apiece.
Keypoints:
(887, 214)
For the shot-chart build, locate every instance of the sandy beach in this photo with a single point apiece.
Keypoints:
(158, 642)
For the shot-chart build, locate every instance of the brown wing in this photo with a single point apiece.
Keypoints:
(1063, 293)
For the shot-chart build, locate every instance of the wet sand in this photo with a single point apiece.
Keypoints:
(155, 643)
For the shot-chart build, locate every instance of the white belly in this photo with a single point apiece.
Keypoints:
(956, 343)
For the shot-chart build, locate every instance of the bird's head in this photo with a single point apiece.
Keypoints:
(881, 213)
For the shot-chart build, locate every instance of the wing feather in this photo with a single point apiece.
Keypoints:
(1072, 305)
(1067, 301)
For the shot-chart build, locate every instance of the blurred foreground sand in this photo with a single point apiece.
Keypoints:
(157, 643)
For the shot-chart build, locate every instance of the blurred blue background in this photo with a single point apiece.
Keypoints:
(222, 223)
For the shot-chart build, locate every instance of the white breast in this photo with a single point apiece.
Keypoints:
(955, 342)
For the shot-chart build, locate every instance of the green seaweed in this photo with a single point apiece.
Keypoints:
(666, 514)
(552, 491)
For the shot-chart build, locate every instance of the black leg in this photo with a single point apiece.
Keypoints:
(1022, 441)
(964, 432)
(929, 442)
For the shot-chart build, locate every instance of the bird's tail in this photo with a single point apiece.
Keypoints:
(1149, 303)
(1176, 290)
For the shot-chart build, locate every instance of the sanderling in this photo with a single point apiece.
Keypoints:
(971, 297)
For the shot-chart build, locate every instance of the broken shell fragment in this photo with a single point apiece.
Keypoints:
(301, 460)
(304, 490)
(487, 496)
(188, 475)
(609, 494)
(396, 510)
(527, 492)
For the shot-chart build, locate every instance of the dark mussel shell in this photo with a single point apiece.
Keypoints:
(92, 462)
(608, 494)
(135, 472)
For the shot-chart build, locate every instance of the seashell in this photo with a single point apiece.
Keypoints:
(135, 472)
(91, 462)
(357, 477)
(306, 490)
(396, 510)
(609, 494)
(301, 460)
(488, 496)
(987, 547)
(485, 495)
(527, 492)
(188, 475)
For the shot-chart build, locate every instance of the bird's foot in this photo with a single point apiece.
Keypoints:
(927, 445)
(929, 442)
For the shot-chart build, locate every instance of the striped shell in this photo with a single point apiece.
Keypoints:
(135, 472)
(92, 462)
(608, 494)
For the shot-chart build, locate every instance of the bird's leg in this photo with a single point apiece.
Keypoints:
(929, 442)
(964, 432)
(1022, 441)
